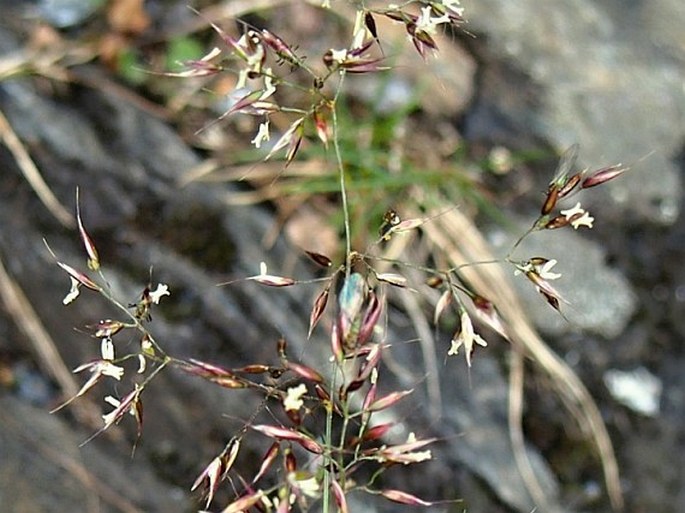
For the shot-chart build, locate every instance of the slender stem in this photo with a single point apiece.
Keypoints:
(520, 239)
(348, 259)
(341, 173)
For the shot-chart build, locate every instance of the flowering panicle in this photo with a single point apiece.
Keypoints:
(404, 498)
(466, 337)
(354, 60)
(293, 400)
(407, 452)
(539, 271)
(269, 279)
(564, 184)
(88, 244)
(217, 469)
(203, 67)
(309, 463)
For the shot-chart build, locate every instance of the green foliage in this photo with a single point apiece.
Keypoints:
(130, 67)
(180, 50)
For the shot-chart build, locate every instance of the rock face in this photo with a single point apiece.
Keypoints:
(609, 76)
(49, 472)
(606, 77)
(559, 72)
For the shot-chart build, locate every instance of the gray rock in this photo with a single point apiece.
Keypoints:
(67, 13)
(486, 434)
(607, 77)
(43, 469)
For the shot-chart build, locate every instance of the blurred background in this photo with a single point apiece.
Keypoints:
(85, 102)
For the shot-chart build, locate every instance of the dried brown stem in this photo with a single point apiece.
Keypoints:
(32, 174)
(456, 235)
(47, 355)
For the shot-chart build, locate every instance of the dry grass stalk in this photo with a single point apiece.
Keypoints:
(48, 357)
(32, 174)
(455, 235)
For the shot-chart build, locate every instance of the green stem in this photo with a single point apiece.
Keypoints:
(341, 174)
(348, 251)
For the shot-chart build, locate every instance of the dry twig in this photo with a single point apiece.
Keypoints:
(32, 174)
